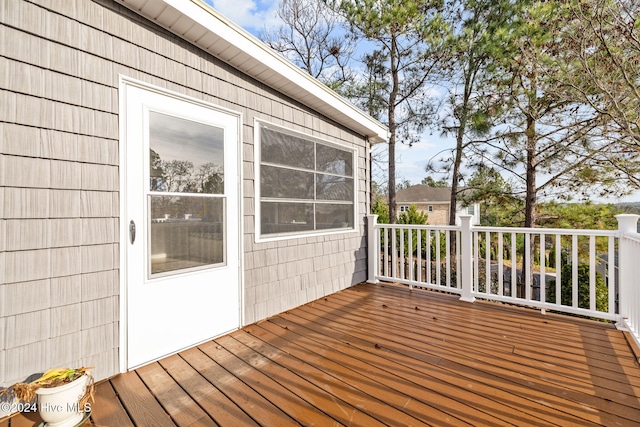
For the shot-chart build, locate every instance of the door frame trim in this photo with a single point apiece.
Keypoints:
(123, 83)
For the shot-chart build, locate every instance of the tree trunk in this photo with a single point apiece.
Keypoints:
(392, 130)
(532, 163)
(457, 163)
(454, 181)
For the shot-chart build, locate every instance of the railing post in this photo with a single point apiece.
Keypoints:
(373, 248)
(466, 259)
(627, 223)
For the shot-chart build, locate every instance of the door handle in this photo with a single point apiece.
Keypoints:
(132, 231)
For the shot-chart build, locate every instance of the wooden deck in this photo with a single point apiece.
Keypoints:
(383, 355)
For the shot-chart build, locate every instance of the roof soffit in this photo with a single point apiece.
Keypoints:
(206, 28)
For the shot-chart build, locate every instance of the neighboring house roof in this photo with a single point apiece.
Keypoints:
(203, 26)
(424, 194)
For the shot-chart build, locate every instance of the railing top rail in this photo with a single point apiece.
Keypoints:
(566, 231)
(632, 236)
(419, 226)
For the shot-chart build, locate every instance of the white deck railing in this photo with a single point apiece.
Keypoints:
(592, 273)
(403, 262)
(629, 273)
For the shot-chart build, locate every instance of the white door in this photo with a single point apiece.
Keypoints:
(182, 219)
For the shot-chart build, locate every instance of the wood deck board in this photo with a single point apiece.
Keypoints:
(595, 360)
(318, 391)
(263, 384)
(368, 356)
(111, 409)
(222, 410)
(415, 362)
(140, 404)
(183, 410)
(538, 328)
(423, 394)
(487, 351)
(295, 388)
(349, 386)
(438, 337)
(548, 384)
(251, 402)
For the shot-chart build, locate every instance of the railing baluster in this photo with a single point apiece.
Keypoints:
(448, 257)
(394, 253)
(401, 251)
(438, 272)
(419, 252)
(514, 266)
(476, 261)
(574, 270)
(428, 246)
(592, 273)
(410, 245)
(543, 278)
(487, 262)
(458, 260)
(500, 264)
(558, 269)
(527, 261)
(386, 251)
(611, 275)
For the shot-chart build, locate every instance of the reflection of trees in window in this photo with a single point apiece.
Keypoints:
(332, 160)
(286, 183)
(330, 187)
(210, 178)
(287, 150)
(156, 172)
(181, 176)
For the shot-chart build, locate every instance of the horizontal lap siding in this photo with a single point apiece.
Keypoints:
(59, 180)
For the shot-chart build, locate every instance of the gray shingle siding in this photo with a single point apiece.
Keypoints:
(59, 180)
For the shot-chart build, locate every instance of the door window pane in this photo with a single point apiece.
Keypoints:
(186, 232)
(185, 156)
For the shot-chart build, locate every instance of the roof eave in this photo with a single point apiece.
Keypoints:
(203, 26)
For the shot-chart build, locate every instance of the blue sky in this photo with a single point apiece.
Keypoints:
(252, 15)
(257, 15)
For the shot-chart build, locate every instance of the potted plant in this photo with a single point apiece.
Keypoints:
(63, 395)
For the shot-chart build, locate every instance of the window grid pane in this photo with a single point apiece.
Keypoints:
(285, 167)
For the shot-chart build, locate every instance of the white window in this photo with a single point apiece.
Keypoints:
(304, 185)
(471, 209)
(404, 208)
(430, 208)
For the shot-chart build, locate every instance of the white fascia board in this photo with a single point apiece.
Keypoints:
(288, 78)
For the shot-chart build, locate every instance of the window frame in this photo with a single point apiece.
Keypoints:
(259, 235)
